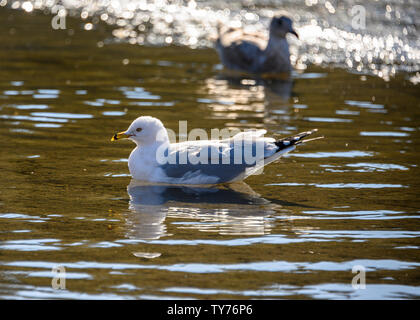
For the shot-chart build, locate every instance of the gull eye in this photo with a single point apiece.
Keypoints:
(138, 129)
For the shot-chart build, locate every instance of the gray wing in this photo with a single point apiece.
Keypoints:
(239, 51)
(223, 163)
(226, 161)
(223, 172)
(241, 55)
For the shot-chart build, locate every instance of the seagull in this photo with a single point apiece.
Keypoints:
(253, 52)
(202, 162)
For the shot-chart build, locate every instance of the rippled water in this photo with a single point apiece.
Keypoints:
(295, 231)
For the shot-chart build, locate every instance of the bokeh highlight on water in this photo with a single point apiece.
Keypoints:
(385, 42)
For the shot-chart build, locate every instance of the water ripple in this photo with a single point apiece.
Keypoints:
(262, 266)
(341, 185)
(337, 154)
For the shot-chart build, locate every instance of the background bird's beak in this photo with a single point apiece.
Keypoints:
(294, 33)
(120, 135)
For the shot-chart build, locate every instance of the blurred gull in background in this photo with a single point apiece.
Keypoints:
(252, 52)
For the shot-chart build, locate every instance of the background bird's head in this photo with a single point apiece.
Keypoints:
(280, 26)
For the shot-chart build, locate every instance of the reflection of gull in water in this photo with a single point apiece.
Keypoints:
(278, 90)
(146, 220)
(275, 90)
(256, 99)
(233, 209)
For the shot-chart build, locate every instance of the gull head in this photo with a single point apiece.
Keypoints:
(143, 131)
(280, 26)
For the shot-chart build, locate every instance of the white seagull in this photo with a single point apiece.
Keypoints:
(252, 52)
(155, 159)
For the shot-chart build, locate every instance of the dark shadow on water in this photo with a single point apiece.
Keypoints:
(160, 194)
(142, 194)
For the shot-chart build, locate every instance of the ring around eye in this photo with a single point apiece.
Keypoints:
(138, 129)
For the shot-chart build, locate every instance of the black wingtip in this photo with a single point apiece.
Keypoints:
(294, 140)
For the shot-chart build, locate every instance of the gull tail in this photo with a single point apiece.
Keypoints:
(296, 139)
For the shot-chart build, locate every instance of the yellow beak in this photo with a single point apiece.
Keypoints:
(120, 135)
